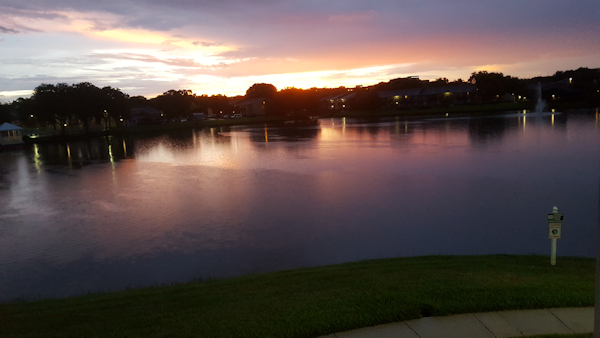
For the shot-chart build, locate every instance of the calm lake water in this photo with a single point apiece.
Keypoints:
(115, 213)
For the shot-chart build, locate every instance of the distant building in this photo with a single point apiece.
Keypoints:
(428, 96)
(337, 102)
(144, 115)
(401, 98)
(252, 107)
(452, 94)
(10, 134)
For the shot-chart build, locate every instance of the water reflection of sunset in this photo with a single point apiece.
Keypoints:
(221, 202)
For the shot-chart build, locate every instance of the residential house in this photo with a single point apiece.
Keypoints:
(428, 96)
(452, 94)
(338, 102)
(400, 98)
(252, 107)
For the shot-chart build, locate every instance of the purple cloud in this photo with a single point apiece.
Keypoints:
(8, 30)
(177, 62)
(207, 44)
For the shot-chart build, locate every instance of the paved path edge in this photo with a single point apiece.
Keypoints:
(495, 324)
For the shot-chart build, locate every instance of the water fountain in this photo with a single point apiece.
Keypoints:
(541, 104)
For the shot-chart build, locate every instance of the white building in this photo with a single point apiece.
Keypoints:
(10, 134)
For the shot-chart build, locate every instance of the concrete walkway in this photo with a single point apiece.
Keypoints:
(485, 325)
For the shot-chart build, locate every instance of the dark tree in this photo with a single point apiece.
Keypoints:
(261, 90)
(220, 103)
(24, 110)
(51, 104)
(5, 115)
(401, 83)
(138, 101)
(174, 103)
(440, 82)
(491, 86)
(116, 104)
(296, 101)
(88, 102)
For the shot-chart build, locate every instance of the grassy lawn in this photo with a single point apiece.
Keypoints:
(313, 301)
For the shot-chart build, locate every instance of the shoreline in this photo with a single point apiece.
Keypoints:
(161, 128)
(456, 111)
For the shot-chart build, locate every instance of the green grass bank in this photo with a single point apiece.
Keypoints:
(313, 301)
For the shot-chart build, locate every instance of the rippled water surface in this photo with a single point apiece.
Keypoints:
(113, 213)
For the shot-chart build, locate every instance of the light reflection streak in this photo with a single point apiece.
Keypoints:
(112, 159)
(266, 135)
(344, 126)
(69, 155)
(124, 149)
(36, 158)
(110, 154)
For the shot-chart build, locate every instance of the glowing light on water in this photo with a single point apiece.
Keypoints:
(110, 154)
(38, 161)
(266, 135)
(69, 154)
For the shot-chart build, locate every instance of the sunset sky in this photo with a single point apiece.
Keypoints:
(146, 47)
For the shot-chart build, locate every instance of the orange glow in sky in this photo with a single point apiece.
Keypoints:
(225, 47)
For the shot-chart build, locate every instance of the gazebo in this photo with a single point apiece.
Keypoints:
(10, 134)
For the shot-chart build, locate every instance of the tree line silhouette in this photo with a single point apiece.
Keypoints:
(61, 105)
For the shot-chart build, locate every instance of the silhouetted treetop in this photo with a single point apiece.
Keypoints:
(261, 90)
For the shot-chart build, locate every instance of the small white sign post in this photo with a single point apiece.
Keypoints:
(554, 221)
